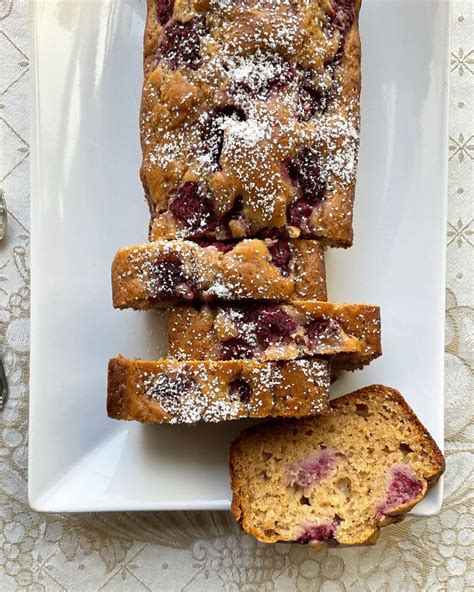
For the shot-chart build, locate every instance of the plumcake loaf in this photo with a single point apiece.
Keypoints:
(349, 333)
(250, 118)
(160, 273)
(335, 479)
(173, 392)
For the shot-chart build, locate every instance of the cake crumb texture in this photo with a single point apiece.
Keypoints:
(335, 479)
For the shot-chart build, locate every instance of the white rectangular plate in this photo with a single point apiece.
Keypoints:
(87, 201)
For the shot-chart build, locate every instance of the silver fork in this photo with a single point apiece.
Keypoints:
(3, 216)
(3, 386)
(3, 229)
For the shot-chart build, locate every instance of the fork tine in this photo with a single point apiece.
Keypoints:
(3, 215)
(3, 385)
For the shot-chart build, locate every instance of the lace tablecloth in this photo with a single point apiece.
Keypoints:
(207, 551)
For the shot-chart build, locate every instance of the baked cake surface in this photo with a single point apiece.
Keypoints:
(168, 391)
(250, 118)
(163, 272)
(348, 333)
(335, 479)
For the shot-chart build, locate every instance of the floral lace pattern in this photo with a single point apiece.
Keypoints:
(207, 551)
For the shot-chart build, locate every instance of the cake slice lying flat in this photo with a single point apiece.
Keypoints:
(348, 333)
(334, 479)
(157, 274)
(167, 391)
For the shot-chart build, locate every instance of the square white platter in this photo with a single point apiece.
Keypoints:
(87, 201)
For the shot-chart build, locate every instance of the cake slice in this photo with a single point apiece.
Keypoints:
(250, 119)
(164, 272)
(174, 392)
(335, 479)
(348, 333)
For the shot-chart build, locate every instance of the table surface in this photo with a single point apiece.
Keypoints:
(195, 551)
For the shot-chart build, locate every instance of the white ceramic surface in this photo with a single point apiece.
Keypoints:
(86, 202)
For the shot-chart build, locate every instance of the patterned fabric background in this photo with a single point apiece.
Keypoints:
(206, 551)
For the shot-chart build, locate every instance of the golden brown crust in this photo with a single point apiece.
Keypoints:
(335, 221)
(421, 460)
(150, 36)
(347, 333)
(117, 387)
(162, 273)
(179, 97)
(167, 391)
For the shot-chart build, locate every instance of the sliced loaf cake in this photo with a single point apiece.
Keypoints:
(168, 391)
(161, 273)
(348, 333)
(334, 479)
